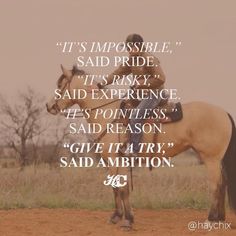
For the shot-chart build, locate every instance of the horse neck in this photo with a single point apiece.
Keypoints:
(94, 105)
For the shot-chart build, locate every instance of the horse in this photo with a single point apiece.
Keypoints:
(206, 128)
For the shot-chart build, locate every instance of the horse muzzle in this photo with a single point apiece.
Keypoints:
(52, 109)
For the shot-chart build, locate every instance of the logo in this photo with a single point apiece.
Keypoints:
(115, 181)
(209, 226)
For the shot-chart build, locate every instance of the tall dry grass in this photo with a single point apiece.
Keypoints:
(185, 185)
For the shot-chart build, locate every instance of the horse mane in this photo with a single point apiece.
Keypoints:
(77, 71)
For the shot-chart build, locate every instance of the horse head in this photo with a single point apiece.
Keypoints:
(65, 84)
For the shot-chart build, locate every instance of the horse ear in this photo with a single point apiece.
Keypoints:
(66, 72)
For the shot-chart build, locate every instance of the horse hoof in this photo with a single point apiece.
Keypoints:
(216, 217)
(115, 219)
(126, 225)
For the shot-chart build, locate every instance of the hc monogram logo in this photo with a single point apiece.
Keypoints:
(115, 180)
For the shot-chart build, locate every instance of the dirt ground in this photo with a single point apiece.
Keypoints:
(71, 222)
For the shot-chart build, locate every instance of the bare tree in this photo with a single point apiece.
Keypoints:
(20, 122)
(57, 132)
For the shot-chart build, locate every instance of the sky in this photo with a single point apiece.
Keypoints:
(202, 68)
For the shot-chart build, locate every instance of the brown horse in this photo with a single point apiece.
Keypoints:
(208, 129)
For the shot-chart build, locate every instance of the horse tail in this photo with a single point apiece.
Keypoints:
(229, 167)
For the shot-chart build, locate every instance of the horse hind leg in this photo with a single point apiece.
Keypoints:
(218, 189)
(217, 210)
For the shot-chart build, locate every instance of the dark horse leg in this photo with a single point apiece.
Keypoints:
(218, 188)
(118, 213)
(122, 203)
(129, 218)
(124, 193)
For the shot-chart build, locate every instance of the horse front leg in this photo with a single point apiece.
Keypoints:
(129, 218)
(118, 213)
(124, 191)
(122, 202)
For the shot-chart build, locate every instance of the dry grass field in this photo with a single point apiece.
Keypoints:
(56, 202)
(184, 186)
